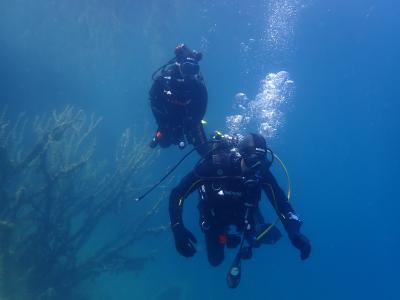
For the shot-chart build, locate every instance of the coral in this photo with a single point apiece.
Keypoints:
(54, 197)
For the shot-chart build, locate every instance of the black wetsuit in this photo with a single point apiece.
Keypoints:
(179, 104)
(226, 194)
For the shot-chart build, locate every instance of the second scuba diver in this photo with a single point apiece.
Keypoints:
(178, 99)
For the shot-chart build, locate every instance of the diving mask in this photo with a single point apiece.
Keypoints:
(189, 67)
(254, 158)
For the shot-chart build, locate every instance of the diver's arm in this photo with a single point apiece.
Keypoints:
(203, 99)
(158, 100)
(186, 186)
(281, 204)
(197, 137)
(197, 97)
(289, 219)
(183, 238)
(156, 90)
(196, 112)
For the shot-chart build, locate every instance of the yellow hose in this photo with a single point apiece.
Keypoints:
(289, 194)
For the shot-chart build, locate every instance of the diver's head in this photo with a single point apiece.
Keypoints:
(187, 60)
(253, 150)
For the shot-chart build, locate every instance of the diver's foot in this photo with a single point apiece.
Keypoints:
(156, 139)
(153, 143)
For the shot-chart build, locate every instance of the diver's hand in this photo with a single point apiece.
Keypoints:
(302, 243)
(184, 241)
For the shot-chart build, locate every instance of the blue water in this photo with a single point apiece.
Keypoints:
(339, 135)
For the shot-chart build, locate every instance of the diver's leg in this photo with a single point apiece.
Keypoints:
(215, 249)
(196, 136)
(162, 136)
(179, 136)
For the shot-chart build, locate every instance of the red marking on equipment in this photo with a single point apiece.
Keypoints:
(159, 135)
(222, 239)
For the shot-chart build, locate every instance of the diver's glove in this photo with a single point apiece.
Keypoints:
(302, 243)
(292, 224)
(184, 240)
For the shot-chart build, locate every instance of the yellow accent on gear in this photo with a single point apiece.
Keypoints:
(182, 198)
(289, 193)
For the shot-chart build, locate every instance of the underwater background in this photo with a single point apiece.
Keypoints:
(326, 70)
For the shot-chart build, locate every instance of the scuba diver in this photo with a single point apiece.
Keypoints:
(229, 181)
(178, 99)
